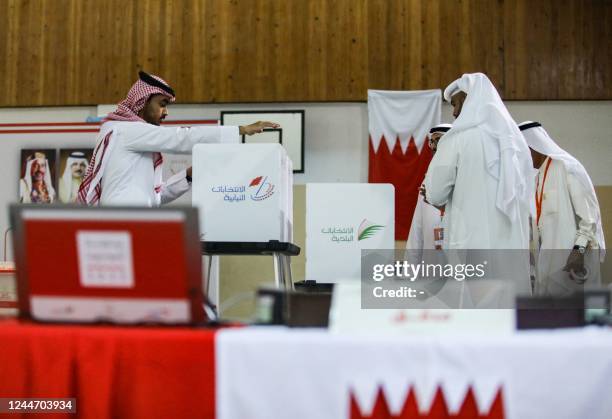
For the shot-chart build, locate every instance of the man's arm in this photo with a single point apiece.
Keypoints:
(415, 236)
(585, 209)
(175, 186)
(442, 173)
(586, 213)
(143, 137)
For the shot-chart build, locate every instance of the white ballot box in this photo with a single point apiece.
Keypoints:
(244, 192)
(341, 220)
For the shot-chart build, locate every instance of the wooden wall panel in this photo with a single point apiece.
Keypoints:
(74, 52)
(558, 49)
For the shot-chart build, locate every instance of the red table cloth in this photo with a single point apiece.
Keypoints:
(113, 372)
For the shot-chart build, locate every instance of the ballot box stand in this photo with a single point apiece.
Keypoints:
(280, 251)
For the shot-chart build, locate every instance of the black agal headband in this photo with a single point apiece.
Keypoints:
(152, 81)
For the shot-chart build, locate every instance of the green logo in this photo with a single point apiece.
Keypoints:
(367, 229)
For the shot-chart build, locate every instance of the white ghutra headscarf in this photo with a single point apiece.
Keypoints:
(507, 157)
(538, 139)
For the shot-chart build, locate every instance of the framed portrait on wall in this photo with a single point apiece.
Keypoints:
(37, 176)
(73, 164)
(290, 134)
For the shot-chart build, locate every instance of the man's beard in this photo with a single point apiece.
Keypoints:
(153, 120)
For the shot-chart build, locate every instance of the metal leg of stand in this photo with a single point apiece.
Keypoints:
(283, 282)
(207, 277)
(288, 276)
(278, 273)
(209, 308)
(282, 271)
(286, 269)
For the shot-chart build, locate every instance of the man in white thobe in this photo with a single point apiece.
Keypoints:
(426, 235)
(426, 231)
(481, 172)
(567, 228)
(126, 165)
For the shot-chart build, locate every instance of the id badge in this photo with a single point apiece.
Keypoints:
(438, 233)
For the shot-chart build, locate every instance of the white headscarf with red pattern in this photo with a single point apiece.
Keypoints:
(127, 110)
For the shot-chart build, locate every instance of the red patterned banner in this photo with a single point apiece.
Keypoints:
(406, 172)
(399, 124)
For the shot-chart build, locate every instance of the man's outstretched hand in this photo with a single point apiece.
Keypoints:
(257, 127)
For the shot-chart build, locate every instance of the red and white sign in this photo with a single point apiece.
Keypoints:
(108, 264)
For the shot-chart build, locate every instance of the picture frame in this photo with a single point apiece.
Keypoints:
(72, 165)
(290, 134)
(37, 176)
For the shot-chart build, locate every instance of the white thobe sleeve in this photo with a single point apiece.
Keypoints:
(441, 174)
(585, 211)
(415, 236)
(414, 244)
(174, 187)
(143, 137)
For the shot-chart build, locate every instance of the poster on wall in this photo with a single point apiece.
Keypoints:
(290, 134)
(37, 176)
(72, 167)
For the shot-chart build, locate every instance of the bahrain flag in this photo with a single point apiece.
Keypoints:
(399, 123)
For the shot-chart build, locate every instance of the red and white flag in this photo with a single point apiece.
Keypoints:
(399, 123)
